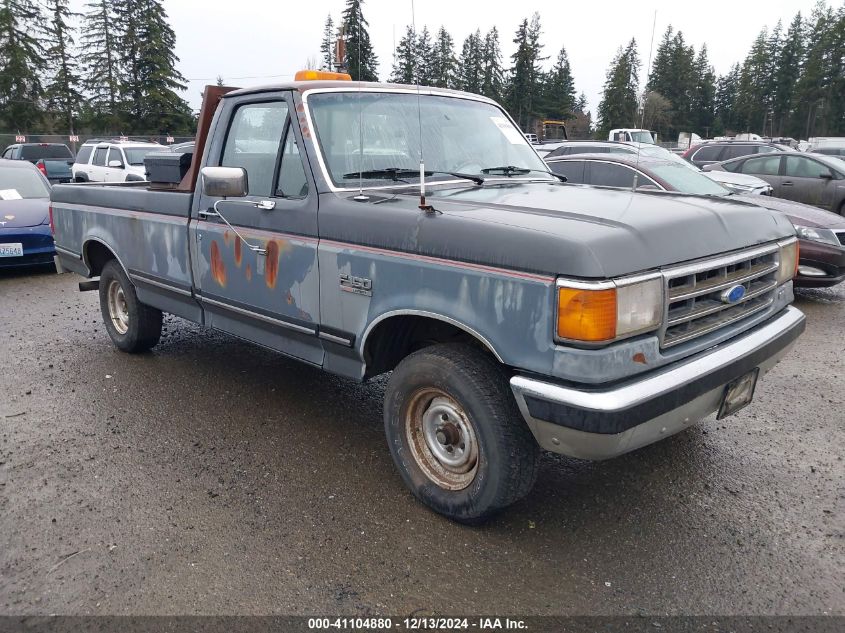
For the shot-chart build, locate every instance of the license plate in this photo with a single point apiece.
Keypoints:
(738, 393)
(11, 250)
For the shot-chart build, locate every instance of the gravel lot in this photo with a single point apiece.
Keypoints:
(214, 477)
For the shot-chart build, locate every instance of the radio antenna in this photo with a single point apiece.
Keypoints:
(645, 97)
(360, 197)
(423, 205)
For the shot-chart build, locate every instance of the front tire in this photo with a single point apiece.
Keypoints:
(133, 326)
(456, 435)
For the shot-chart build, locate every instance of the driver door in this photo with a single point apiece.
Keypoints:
(258, 279)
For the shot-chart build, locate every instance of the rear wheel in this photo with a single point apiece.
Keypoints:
(132, 325)
(455, 433)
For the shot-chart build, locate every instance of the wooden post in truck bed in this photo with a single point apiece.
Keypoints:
(210, 98)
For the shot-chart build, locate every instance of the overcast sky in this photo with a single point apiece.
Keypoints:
(252, 42)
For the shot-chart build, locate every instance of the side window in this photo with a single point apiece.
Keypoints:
(115, 154)
(253, 143)
(735, 151)
(801, 167)
(707, 153)
(767, 166)
(572, 169)
(100, 156)
(84, 154)
(765, 149)
(610, 175)
(292, 181)
(7, 153)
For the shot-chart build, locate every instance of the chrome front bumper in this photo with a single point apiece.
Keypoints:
(603, 423)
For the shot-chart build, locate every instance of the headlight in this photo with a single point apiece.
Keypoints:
(604, 311)
(787, 260)
(816, 235)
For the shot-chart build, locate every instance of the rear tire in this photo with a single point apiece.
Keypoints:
(133, 326)
(455, 433)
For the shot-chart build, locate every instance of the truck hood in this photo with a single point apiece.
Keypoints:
(592, 232)
(22, 213)
(798, 213)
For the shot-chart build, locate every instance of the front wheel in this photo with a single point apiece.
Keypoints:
(455, 433)
(132, 325)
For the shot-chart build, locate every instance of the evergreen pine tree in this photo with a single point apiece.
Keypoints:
(360, 60)
(526, 73)
(150, 80)
(813, 94)
(404, 58)
(754, 91)
(787, 71)
(63, 92)
(727, 88)
(470, 72)
(703, 102)
(327, 45)
(559, 89)
(493, 74)
(425, 58)
(443, 63)
(618, 106)
(673, 75)
(21, 90)
(101, 61)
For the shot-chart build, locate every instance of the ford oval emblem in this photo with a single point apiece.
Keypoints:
(733, 294)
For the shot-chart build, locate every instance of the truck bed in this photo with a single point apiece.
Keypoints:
(145, 227)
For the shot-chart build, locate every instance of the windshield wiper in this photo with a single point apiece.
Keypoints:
(396, 174)
(510, 170)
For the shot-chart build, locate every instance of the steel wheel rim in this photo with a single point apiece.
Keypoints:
(118, 310)
(442, 439)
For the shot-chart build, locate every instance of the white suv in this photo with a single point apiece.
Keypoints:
(112, 161)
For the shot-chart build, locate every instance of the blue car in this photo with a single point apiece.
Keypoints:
(25, 236)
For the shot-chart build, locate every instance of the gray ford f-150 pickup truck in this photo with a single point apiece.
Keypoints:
(516, 312)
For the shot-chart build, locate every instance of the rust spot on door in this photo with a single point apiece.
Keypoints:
(226, 237)
(239, 256)
(249, 272)
(271, 272)
(218, 268)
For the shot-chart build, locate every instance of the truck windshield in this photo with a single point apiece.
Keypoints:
(458, 135)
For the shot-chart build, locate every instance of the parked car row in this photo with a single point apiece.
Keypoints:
(809, 178)
(821, 233)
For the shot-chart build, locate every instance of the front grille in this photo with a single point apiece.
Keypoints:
(694, 293)
(841, 236)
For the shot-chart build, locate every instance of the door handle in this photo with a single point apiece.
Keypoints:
(205, 214)
(788, 183)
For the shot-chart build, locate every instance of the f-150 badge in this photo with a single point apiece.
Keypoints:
(358, 285)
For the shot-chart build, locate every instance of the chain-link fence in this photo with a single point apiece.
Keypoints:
(73, 142)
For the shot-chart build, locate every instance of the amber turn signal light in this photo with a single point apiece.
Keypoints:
(321, 75)
(586, 315)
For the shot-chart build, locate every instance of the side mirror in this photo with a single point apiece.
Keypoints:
(224, 182)
(116, 164)
(826, 176)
